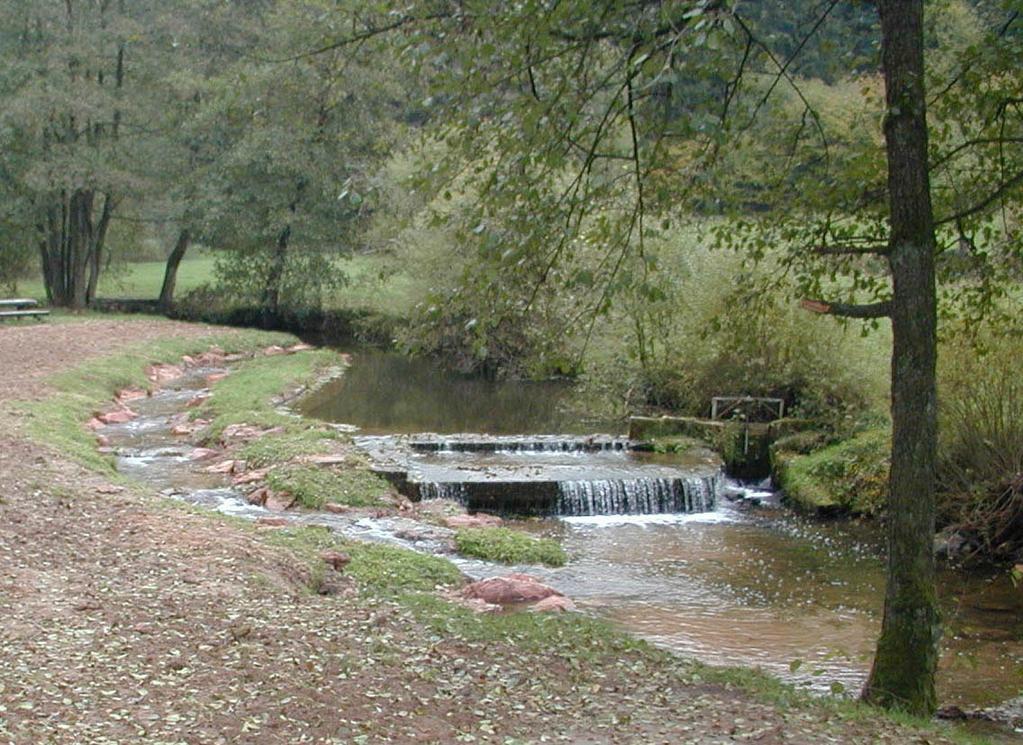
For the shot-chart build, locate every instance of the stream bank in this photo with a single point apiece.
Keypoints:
(737, 585)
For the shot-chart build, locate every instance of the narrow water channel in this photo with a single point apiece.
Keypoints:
(751, 586)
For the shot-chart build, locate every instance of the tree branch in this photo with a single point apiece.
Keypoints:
(871, 249)
(1004, 188)
(847, 310)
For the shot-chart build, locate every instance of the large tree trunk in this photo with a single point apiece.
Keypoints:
(99, 243)
(81, 244)
(907, 652)
(170, 276)
(272, 291)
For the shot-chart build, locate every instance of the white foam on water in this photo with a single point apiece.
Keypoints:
(673, 518)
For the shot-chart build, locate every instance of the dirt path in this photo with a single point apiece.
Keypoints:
(127, 619)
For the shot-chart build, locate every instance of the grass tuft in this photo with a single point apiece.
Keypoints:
(509, 547)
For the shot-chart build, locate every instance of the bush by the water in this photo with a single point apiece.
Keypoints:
(509, 547)
(849, 476)
(981, 446)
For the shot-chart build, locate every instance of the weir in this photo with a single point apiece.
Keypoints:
(547, 475)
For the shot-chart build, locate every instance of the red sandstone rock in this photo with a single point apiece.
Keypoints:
(214, 377)
(188, 360)
(118, 416)
(553, 604)
(274, 350)
(131, 394)
(211, 359)
(95, 424)
(226, 466)
(336, 559)
(278, 501)
(258, 496)
(251, 477)
(325, 460)
(270, 521)
(479, 520)
(245, 432)
(202, 454)
(337, 509)
(103, 441)
(509, 590)
(163, 373)
(197, 401)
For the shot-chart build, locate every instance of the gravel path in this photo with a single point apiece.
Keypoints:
(128, 619)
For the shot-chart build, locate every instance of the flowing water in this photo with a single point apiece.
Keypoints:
(736, 583)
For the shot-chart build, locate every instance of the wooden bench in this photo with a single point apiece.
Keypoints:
(21, 307)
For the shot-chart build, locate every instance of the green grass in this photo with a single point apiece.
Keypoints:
(138, 280)
(509, 547)
(314, 486)
(374, 282)
(850, 476)
(379, 569)
(286, 446)
(244, 396)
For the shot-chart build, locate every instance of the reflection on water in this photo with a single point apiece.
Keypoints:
(799, 599)
(388, 393)
(730, 590)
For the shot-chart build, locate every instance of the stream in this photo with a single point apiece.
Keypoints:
(737, 580)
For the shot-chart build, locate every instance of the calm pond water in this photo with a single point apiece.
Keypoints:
(388, 393)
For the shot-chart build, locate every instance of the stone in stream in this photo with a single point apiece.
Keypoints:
(272, 521)
(553, 604)
(203, 454)
(479, 520)
(511, 589)
(258, 496)
(251, 477)
(225, 466)
(215, 377)
(160, 374)
(131, 394)
(197, 401)
(278, 501)
(118, 416)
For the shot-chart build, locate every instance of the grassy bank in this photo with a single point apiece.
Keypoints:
(88, 388)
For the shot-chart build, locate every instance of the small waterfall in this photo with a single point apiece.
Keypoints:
(457, 492)
(640, 496)
(519, 445)
(636, 496)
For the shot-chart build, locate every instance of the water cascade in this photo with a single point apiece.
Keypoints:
(546, 475)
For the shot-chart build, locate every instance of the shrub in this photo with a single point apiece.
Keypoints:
(981, 446)
(850, 476)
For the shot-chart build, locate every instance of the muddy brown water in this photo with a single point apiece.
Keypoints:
(736, 586)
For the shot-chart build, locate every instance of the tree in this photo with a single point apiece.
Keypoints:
(292, 138)
(561, 114)
(66, 101)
